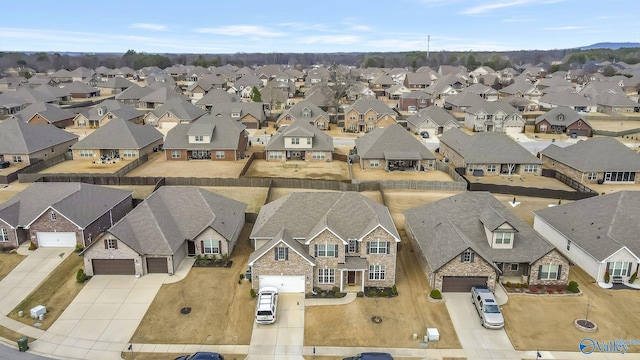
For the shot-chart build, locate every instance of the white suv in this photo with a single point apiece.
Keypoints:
(267, 305)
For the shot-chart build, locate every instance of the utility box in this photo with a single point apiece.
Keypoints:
(23, 344)
(37, 311)
(433, 334)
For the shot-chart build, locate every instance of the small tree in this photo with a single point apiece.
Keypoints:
(607, 276)
(435, 294)
(573, 287)
(252, 293)
(255, 95)
(81, 276)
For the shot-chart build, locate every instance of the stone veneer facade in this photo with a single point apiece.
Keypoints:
(455, 267)
(577, 175)
(552, 258)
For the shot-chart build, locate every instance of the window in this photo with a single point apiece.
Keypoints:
(543, 127)
(530, 169)
(326, 276)
(548, 272)
(86, 153)
(175, 154)
(274, 155)
(282, 253)
(198, 138)
(467, 256)
(503, 237)
(17, 158)
(592, 176)
(321, 125)
(149, 122)
(620, 176)
(352, 127)
(82, 123)
(128, 153)
(4, 235)
(491, 168)
(377, 247)
(353, 246)
(326, 250)
(318, 155)
(370, 118)
(295, 140)
(374, 163)
(618, 268)
(308, 141)
(352, 117)
(370, 127)
(210, 247)
(53, 216)
(514, 267)
(376, 272)
(219, 154)
(579, 122)
(110, 244)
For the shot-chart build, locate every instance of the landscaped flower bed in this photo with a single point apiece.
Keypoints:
(518, 288)
(212, 261)
(326, 294)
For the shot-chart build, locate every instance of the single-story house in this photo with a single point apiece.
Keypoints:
(23, 143)
(251, 115)
(102, 113)
(563, 120)
(434, 119)
(172, 223)
(344, 240)
(174, 111)
(45, 113)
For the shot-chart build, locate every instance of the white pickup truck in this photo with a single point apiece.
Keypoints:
(487, 307)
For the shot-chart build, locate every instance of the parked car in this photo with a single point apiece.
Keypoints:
(201, 356)
(424, 134)
(267, 306)
(487, 307)
(371, 356)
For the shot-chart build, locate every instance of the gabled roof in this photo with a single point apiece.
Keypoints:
(331, 210)
(225, 134)
(519, 86)
(172, 214)
(416, 95)
(120, 134)
(492, 107)
(52, 113)
(254, 109)
(161, 95)
(566, 98)
(217, 96)
(180, 108)
(445, 228)
(116, 83)
(49, 90)
(77, 87)
(595, 155)
(600, 225)
(465, 98)
(361, 106)
(434, 113)
(134, 92)
(391, 139)
(480, 89)
(382, 80)
(296, 111)
(320, 142)
(284, 238)
(19, 137)
(487, 148)
(80, 203)
(561, 115)
(608, 99)
(118, 109)
(320, 94)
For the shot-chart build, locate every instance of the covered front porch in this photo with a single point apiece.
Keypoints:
(352, 274)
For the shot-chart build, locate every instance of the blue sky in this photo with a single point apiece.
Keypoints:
(209, 26)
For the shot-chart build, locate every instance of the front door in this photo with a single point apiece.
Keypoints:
(191, 248)
(351, 278)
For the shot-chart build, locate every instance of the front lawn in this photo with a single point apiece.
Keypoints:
(56, 293)
(8, 262)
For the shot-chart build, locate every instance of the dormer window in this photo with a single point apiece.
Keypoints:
(503, 237)
(306, 112)
(198, 138)
(235, 114)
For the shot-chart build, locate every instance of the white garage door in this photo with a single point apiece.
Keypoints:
(513, 129)
(283, 283)
(57, 239)
(167, 125)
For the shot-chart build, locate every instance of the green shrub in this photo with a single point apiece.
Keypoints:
(573, 287)
(336, 289)
(253, 294)
(81, 276)
(373, 293)
(384, 293)
(633, 277)
(517, 285)
(32, 246)
(394, 290)
(525, 285)
(508, 284)
(79, 248)
(435, 294)
(241, 277)
(360, 294)
(340, 295)
(199, 257)
(323, 294)
(316, 289)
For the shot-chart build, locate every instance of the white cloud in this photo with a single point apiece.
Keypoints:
(147, 26)
(304, 26)
(361, 28)
(481, 9)
(330, 39)
(563, 28)
(241, 30)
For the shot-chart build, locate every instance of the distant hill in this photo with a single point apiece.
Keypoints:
(611, 45)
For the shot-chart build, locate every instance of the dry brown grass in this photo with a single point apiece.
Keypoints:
(8, 262)
(11, 335)
(323, 170)
(527, 205)
(221, 308)
(379, 174)
(546, 322)
(139, 191)
(531, 181)
(55, 293)
(12, 190)
(254, 197)
(157, 165)
(84, 167)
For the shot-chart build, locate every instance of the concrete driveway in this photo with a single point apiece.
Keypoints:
(477, 342)
(284, 339)
(100, 321)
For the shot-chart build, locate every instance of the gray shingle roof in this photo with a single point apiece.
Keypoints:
(173, 214)
(349, 215)
(434, 113)
(180, 108)
(118, 109)
(445, 228)
(134, 92)
(595, 155)
(569, 116)
(53, 113)
(77, 87)
(282, 237)
(225, 134)
(254, 109)
(599, 225)
(320, 141)
(492, 107)
(216, 96)
(363, 105)
(567, 99)
(80, 203)
(116, 83)
(19, 137)
(296, 111)
(487, 148)
(161, 95)
(120, 134)
(466, 98)
(388, 140)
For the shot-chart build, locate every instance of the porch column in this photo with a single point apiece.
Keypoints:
(362, 282)
(341, 279)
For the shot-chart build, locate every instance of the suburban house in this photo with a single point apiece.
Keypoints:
(173, 112)
(563, 120)
(210, 137)
(573, 100)
(523, 89)
(118, 139)
(397, 90)
(488, 154)
(79, 90)
(53, 214)
(299, 141)
(434, 119)
(602, 160)
(414, 101)
(23, 144)
(418, 80)
(367, 114)
(172, 223)
(159, 96)
(133, 94)
(472, 239)
(460, 102)
(484, 91)
(102, 113)
(305, 111)
(613, 104)
(299, 248)
(45, 113)
(214, 97)
(598, 234)
(114, 85)
(494, 116)
(393, 148)
(251, 115)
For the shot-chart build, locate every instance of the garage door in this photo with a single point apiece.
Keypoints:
(168, 125)
(57, 239)
(250, 124)
(283, 283)
(513, 129)
(580, 132)
(113, 267)
(157, 265)
(462, 283)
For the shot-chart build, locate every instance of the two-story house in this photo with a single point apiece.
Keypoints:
(344, 240)
(307, 111)
(494, 116)
(300, 141)
(367, 114)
